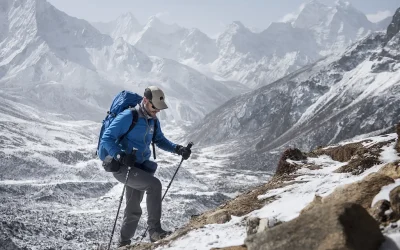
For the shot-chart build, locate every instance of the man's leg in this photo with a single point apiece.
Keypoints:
(132, 213)
(143, 181)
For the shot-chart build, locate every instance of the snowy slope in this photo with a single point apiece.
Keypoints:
(289, 200)
(75, 71)
(54, 192)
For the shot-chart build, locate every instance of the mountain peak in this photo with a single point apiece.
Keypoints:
(128, 15)
(314, 4)
(236, 27)
(155, 23)
(153, 20)
(343, 4)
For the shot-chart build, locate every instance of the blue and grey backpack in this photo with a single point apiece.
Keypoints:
(124, 100)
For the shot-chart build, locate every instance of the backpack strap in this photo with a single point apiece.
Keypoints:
(135, 117)
(154, 137)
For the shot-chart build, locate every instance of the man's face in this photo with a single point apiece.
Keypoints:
(150, 108)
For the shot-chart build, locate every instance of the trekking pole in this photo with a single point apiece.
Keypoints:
(169, 185)
(120, 201)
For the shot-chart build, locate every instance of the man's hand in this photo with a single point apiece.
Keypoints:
(183, 151)
(127, 160)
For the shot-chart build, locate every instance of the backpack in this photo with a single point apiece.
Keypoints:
(122, 101)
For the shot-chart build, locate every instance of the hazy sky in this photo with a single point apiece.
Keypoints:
(210, 16)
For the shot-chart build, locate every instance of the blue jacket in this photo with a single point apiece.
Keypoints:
(139, 137)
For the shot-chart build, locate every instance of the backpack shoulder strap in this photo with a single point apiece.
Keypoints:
(135, 117)
(154, 137)
(155, 130)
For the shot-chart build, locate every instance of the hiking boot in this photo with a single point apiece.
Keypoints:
(124, 243)
(159, 234)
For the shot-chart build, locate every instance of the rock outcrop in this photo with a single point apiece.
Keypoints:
(339, 226)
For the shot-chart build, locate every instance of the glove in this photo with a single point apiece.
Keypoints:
(184, 151)
(127, 160)
(111, 165)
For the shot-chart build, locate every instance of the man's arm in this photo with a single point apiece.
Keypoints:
(117, 128)
(163, 142)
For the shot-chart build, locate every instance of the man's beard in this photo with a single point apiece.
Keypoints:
(147, 112)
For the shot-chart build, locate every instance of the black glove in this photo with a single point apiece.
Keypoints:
(127, 160)
(184, 151)
(111, 165)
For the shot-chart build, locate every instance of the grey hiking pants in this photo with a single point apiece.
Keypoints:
(139, 181)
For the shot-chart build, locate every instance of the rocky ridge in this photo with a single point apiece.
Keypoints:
(350, 216)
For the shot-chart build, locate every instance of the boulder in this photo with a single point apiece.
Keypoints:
(397, 147)
(341, 153)
(380, 211)
(358, 165)
(394, 196)
(252, 225)
(361, 192)
(391, 169)
(256, 225)
(338, 226)
(218, 217)
(285, 167)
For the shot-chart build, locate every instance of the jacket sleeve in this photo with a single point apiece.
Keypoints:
(117, 128)
(163, 142)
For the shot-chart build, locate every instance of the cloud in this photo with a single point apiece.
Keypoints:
(379, 16)
(292, 16)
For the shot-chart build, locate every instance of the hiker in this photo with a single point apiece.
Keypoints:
(141, 176)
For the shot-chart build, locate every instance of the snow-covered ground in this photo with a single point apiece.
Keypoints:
(53, 184)
(290, 200)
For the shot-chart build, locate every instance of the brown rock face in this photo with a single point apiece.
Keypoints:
(394, 196)
(285, 167)
(252, 225)
(397, 147)
(219, 217)
(378, 211)
(316, 202)
(391, 169)
(338, 226)
(359, 165)
(361, 192)
(341, 153)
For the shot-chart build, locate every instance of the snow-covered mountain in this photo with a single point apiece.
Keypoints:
(62, 64)
(257, 59)
(252, 58)
(125, 26)
(336, 98)
(333, 27)
(318, 30)
(156, 38)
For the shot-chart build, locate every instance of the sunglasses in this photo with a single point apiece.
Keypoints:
(152, 105)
